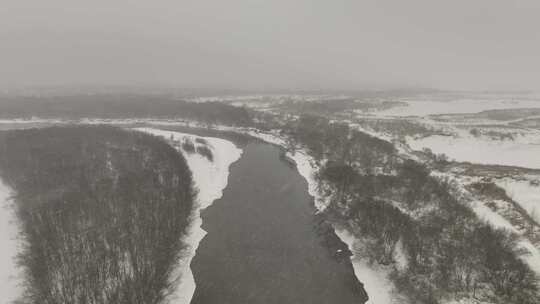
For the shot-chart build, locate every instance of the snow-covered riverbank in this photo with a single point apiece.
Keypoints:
(375, 278)
(210, 178)
(10, 274)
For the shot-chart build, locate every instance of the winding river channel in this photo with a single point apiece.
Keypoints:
(266, 245)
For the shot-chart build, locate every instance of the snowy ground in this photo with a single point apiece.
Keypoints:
(531, 254)
(307, 168)
(459, 106)
(210, 178)
(524, 151)
(10, 274)
(375, 278)
(524, 193)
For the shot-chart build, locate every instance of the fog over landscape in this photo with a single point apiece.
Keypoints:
(279, 44)
(260, 152)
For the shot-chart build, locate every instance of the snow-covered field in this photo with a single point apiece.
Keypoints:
(10, 274)
(248, 100)
(521, 152)
(524, 193)
(210, 179)
(459, 106)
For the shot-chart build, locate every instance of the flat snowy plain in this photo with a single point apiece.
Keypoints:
(521, 152)
(458, 106)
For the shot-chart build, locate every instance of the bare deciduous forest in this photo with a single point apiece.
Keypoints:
(102, 209)
(385, 199)
(121, 106)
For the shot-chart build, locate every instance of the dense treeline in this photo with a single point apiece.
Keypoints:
(399, 127)
(336, 105)
(336, 141)
(397, 209)
(102, 212)
(121, 106)
(499, 114)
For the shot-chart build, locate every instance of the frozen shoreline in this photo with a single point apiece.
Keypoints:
(10, 273)
(375, 278)
(210, 178)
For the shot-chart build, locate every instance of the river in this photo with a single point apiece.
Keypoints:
(266, 245)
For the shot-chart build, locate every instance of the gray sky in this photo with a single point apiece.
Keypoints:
(460, 44)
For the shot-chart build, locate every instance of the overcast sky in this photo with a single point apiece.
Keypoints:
(310, 44)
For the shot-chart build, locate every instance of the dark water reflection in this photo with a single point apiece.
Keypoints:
(264, 244)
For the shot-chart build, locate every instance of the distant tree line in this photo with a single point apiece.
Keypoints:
(399, 127)
(102, 211)
(329, 106)
(498, 115)
(387, 200)
(121, 106)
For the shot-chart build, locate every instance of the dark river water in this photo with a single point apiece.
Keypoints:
(265, 244)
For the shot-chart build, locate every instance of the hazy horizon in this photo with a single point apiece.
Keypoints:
(261, 45)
